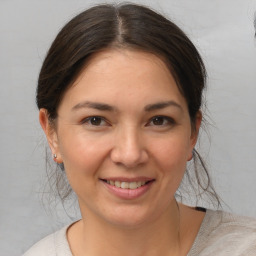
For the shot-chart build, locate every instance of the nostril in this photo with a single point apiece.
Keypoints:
(128, 149)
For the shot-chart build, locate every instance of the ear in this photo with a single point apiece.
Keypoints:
(194, 133)
(51, 134)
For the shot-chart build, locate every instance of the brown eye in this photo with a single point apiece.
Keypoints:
(161, 121)
(95, 121)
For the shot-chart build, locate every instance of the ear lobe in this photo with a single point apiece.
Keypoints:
(50, 133)
(190, 156)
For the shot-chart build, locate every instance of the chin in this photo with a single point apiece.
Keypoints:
(130, 217)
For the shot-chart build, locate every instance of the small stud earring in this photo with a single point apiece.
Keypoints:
(54, 156)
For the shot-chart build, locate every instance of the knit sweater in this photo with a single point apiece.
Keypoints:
(220, 234)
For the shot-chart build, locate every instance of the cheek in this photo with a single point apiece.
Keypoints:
(82, 155)
(172, 151)
(171, 156)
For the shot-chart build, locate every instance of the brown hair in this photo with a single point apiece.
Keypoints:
(123, 26)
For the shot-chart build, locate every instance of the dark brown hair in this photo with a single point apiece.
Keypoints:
(126, 26)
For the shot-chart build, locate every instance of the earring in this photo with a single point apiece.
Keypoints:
(54, 156)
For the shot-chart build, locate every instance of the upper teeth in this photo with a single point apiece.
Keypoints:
(123, 184)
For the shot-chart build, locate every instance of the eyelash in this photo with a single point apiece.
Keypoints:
(88, 121)
(165, 119)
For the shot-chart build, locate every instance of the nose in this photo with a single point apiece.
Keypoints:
(128, 149)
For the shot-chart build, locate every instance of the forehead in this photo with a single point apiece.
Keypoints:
(126, 57)
(113, 75)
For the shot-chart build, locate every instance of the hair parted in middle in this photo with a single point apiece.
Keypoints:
(124, 26)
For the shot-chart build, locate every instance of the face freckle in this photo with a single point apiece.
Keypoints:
(125, 120)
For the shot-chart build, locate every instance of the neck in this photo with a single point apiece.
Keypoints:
(161, 236)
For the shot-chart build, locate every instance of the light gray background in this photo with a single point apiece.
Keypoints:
(224, 34)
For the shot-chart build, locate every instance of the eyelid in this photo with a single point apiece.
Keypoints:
(170, 120)
(87, 120)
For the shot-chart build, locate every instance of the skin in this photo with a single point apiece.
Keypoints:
(135, 136)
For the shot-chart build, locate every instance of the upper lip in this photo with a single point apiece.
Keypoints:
(126, 179)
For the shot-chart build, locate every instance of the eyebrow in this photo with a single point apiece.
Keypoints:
(94, 105)
(107, 107)
(161, 105)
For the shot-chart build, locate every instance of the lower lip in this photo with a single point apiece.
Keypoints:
(127, 194)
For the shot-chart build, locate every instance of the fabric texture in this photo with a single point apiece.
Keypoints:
(220, 234)
(225, 234)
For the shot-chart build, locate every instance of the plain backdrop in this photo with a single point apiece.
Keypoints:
(224, 34)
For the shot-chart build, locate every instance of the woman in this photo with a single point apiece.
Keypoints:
(119, 95)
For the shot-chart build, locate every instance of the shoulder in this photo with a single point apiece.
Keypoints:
(44, 247)
(51, 245)
(228, 223)
(223, 233)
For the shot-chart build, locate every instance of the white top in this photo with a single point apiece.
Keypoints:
(221, 234)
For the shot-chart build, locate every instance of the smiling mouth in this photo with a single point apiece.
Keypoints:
(127, 185)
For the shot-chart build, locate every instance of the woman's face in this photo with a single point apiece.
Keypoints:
(124, 123)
